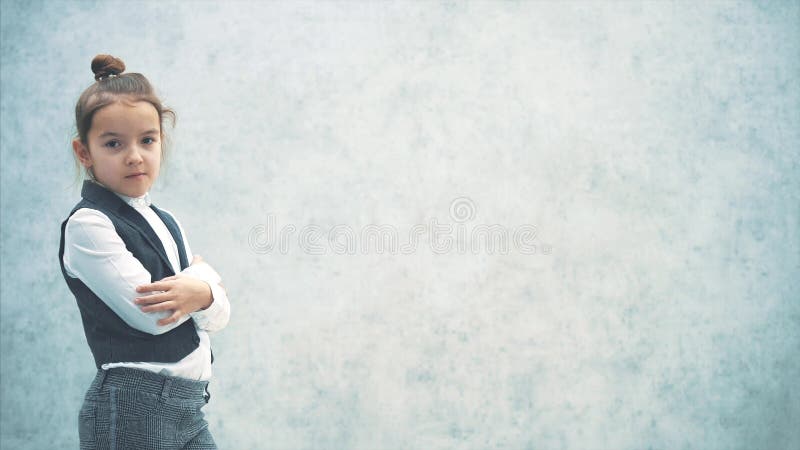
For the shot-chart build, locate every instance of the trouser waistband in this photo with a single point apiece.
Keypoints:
(151, 382)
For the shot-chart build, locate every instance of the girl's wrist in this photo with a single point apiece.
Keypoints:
(209, 297)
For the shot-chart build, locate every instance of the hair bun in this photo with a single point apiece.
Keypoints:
(105, 65)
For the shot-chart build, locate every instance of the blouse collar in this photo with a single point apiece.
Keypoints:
(136, 202)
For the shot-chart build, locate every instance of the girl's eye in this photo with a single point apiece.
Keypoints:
(113, 144)
(148, 140)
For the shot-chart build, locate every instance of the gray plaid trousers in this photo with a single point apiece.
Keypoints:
(135, 409)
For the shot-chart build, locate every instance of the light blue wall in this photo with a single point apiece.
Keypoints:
(654, 146)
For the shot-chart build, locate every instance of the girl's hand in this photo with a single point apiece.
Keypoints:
(182, 295)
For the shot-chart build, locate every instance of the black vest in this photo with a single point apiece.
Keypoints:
(109, 337)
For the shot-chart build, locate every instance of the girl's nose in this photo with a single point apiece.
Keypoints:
(134, 156)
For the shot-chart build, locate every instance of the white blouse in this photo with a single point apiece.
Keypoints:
(94, 253)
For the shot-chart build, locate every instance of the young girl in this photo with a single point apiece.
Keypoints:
(146, 311)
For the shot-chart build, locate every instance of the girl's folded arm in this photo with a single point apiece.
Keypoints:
(217, 315)
(94, 253)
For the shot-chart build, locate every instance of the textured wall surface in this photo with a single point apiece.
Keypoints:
(653, 149)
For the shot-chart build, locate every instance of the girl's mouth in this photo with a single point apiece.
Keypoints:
(135, 176)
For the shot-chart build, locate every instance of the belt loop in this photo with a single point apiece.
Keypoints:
(208, 397)
(165, 388)
(103, 374)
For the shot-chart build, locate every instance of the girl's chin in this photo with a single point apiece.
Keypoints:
(131, 187)
(138, 192)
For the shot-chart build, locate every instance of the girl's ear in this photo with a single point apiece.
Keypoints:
(82, 153)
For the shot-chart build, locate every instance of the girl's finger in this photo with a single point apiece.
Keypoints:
(163, 306)
(173, 318)
(155, 298)
(157, 286)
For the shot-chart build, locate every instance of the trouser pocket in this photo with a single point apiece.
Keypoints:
(143, 421)
(139, 422)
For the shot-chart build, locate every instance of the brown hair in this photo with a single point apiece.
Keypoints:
(111, 85)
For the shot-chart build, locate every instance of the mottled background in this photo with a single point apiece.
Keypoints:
(654, 146)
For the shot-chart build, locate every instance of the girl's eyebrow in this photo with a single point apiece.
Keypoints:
(111, 133)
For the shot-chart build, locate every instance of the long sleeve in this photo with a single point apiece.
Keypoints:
(95, 253)
(217, 315)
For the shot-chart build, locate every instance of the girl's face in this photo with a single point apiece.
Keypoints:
(124, 147)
